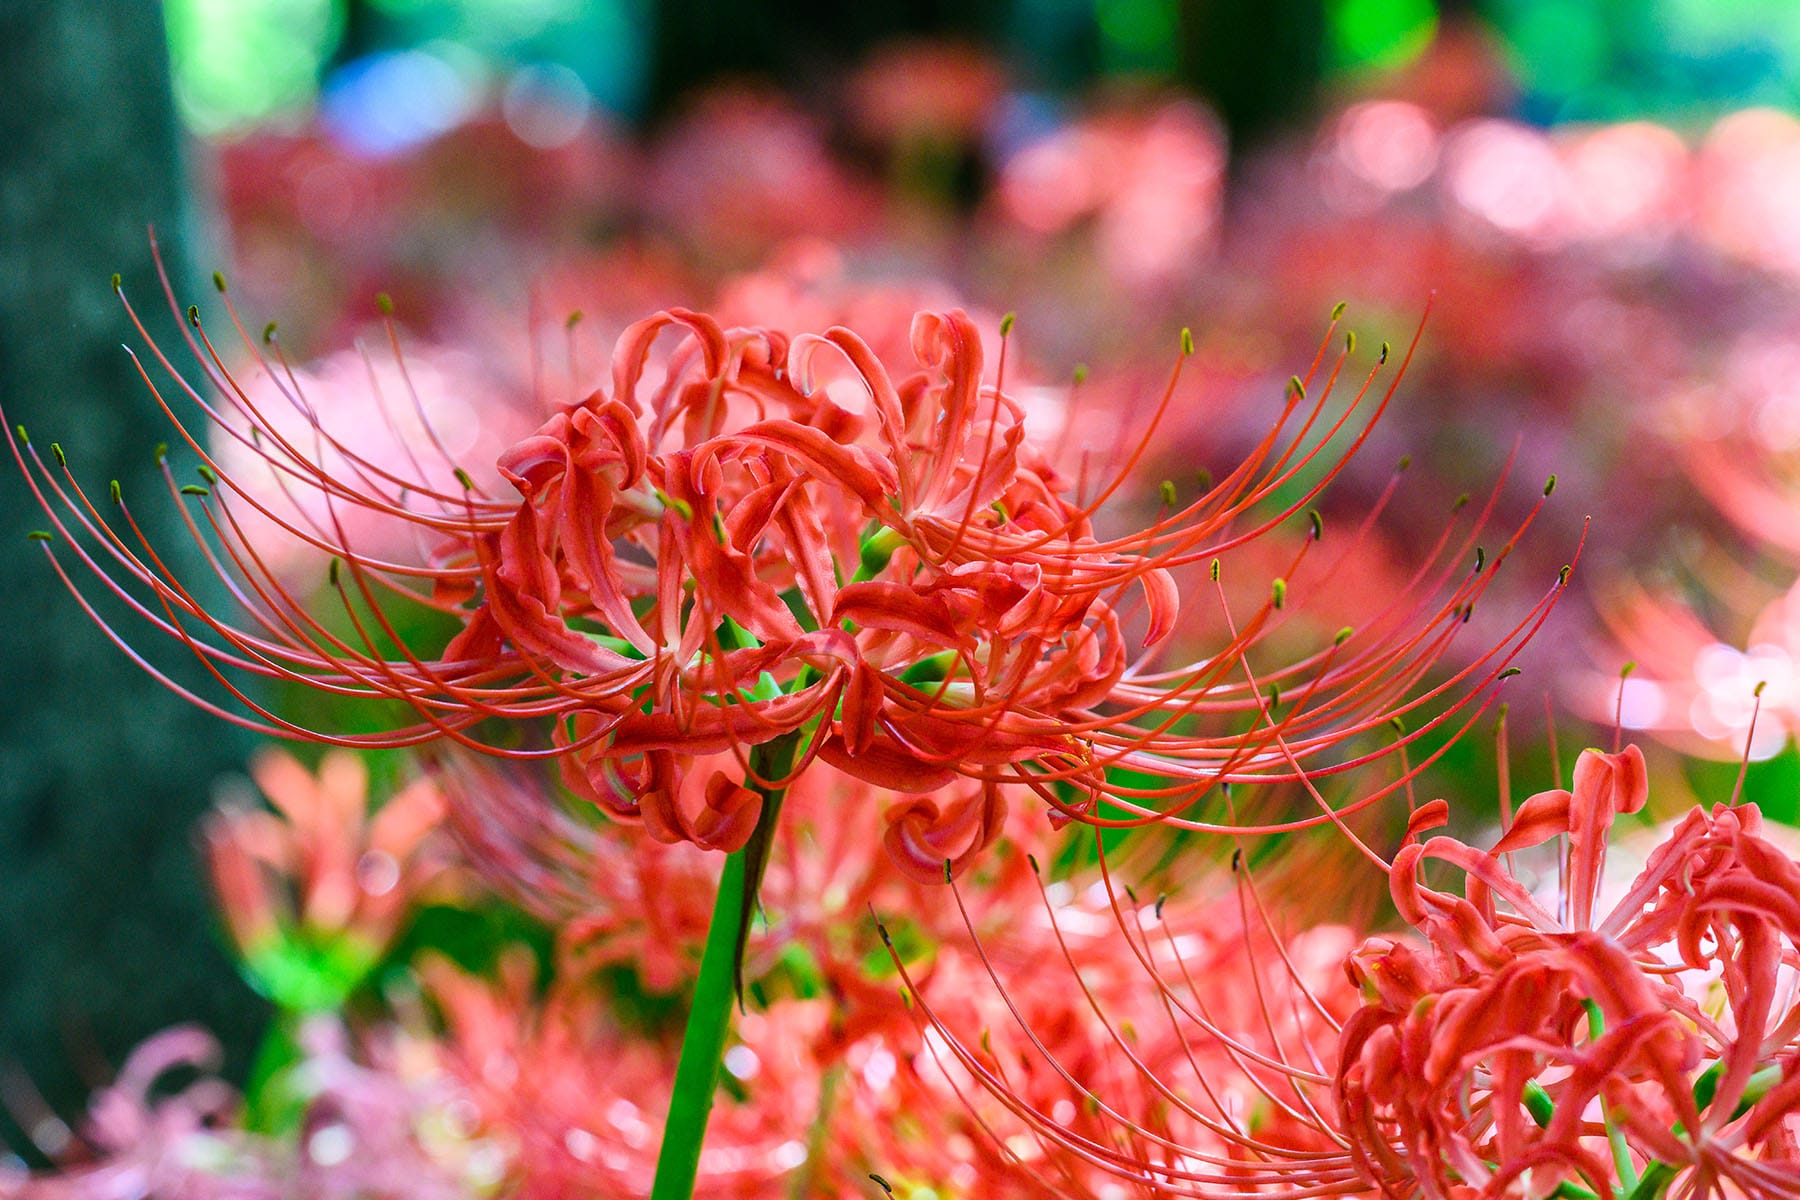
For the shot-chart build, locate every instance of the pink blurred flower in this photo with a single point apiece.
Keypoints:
(920, 90)
(1719, 652)
(1750, 182)
(366, 1131)
(314, 892)
(1151, 183)
(417, 418)
(744, 169)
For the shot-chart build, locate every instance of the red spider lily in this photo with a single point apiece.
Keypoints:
(574, 1098)
(1213, 1080)
(829, 1038)
(726, 555)
(1531, 1047)
(622, 900)
(314, 893)
(1649, 1048)
(549, 1090)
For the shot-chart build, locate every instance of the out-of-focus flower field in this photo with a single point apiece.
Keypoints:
(1228, 658)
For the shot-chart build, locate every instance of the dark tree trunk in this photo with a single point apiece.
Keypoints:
(106, 934)
(1258, 61)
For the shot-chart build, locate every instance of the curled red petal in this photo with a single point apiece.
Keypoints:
(1163, 599)
(729, 816)
(921, 837)
(1542, 817)
(897, 608)
(1433, 814)
(886, 765)
(868, 477)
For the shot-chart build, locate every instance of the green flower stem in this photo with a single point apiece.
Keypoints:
(1657, 1177)
(1615, 1136)
(801, 1185)
(269, 1108)
(709, 1019)
(703, 1044)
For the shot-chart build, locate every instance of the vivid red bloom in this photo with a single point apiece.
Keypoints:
(1530, 1045)
(713, 551)
(618, 898)
(575, 1097)
(1655, 1046)
(1100, 1048)
(628, 901)
(828, 1054)
(553, 1089)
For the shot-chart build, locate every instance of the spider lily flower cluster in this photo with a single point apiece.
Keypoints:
(314, 893)
(713, 551)
(168, 1126)
(1653, 1048)
(513, 1083)
(828, 1083)
(1624, 1038)
(1620, 1035)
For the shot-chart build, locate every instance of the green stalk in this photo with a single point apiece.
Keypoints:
(801, 1185)
(1615, 1136)
(269, 1104)
(1657, 1175)
(709, 1019)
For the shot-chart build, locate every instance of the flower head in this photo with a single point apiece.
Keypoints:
(753, 536)
(314, 892)
(1619, 1040)
(167, 1128)
(1529, 1045)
